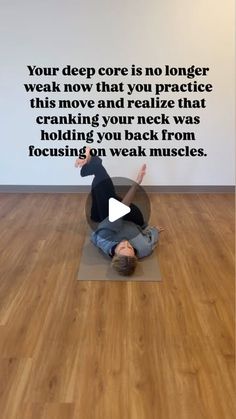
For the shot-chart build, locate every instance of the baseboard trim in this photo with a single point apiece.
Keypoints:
(86, 188)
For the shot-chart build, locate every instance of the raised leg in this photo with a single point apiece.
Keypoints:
(102, 188)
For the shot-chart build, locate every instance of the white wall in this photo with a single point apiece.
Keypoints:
(109, 33)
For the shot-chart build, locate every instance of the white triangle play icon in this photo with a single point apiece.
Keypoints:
(117, 209)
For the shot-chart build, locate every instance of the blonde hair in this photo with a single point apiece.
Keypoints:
(124, 265)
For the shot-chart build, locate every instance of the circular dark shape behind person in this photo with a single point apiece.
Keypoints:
(140, 203)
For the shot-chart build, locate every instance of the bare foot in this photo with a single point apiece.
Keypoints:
(141, 174)
(81, 162)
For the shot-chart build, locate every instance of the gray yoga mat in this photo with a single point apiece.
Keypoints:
(96, 266)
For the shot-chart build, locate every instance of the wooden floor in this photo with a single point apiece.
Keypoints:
(116, 350)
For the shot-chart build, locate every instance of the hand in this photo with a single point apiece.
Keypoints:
(160, 229)
(141, 174)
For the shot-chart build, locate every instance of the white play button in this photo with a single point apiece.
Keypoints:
(117, 209)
